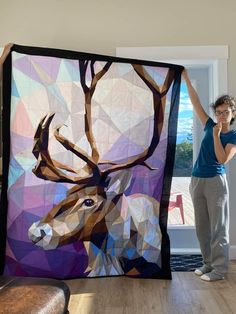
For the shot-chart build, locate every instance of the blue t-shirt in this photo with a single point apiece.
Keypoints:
(206, 165)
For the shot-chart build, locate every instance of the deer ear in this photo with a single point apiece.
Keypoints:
(119, 183)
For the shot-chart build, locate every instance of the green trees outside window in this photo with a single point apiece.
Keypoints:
(184, 158)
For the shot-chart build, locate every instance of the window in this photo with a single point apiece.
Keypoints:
(189, 135)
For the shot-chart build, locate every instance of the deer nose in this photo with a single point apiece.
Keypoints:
(37, 239)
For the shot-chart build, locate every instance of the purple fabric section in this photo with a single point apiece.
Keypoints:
(49, 66)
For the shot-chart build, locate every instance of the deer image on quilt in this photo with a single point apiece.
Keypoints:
(119, 231)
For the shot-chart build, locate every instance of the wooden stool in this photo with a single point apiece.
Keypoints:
(26, 295)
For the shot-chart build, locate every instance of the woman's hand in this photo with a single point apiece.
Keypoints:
(7, 49)
(194, 98)
(217, 129)
(3, 57)
(185, 74)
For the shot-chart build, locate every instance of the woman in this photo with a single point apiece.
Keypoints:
(208, 187)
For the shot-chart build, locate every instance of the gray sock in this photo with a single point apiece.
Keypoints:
(212, 276)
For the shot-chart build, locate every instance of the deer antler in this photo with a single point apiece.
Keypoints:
(88, 92)
(47, 168)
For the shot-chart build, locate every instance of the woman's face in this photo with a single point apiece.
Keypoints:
(224, 114)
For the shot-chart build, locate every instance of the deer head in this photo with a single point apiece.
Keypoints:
(83, 211)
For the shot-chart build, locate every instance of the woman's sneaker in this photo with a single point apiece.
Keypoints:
(202, 270)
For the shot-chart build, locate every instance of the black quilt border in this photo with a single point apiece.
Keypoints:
(165, 272)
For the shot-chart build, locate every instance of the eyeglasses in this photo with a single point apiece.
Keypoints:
(224, 113)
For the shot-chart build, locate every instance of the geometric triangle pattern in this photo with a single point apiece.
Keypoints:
(87, 176)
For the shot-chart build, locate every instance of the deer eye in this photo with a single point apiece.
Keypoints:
(88, 202)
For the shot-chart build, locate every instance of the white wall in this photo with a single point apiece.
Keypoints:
(102, 25)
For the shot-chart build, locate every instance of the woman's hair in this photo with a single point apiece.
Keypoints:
(225, 100)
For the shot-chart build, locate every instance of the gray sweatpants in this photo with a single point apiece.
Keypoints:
(211, 210)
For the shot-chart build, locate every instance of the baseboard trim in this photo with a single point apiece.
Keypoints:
(232, 251)
(185, 251)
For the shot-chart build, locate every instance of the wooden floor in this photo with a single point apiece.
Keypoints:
(181, 184)
(186, 293)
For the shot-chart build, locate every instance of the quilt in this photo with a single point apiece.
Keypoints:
(88, 153)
